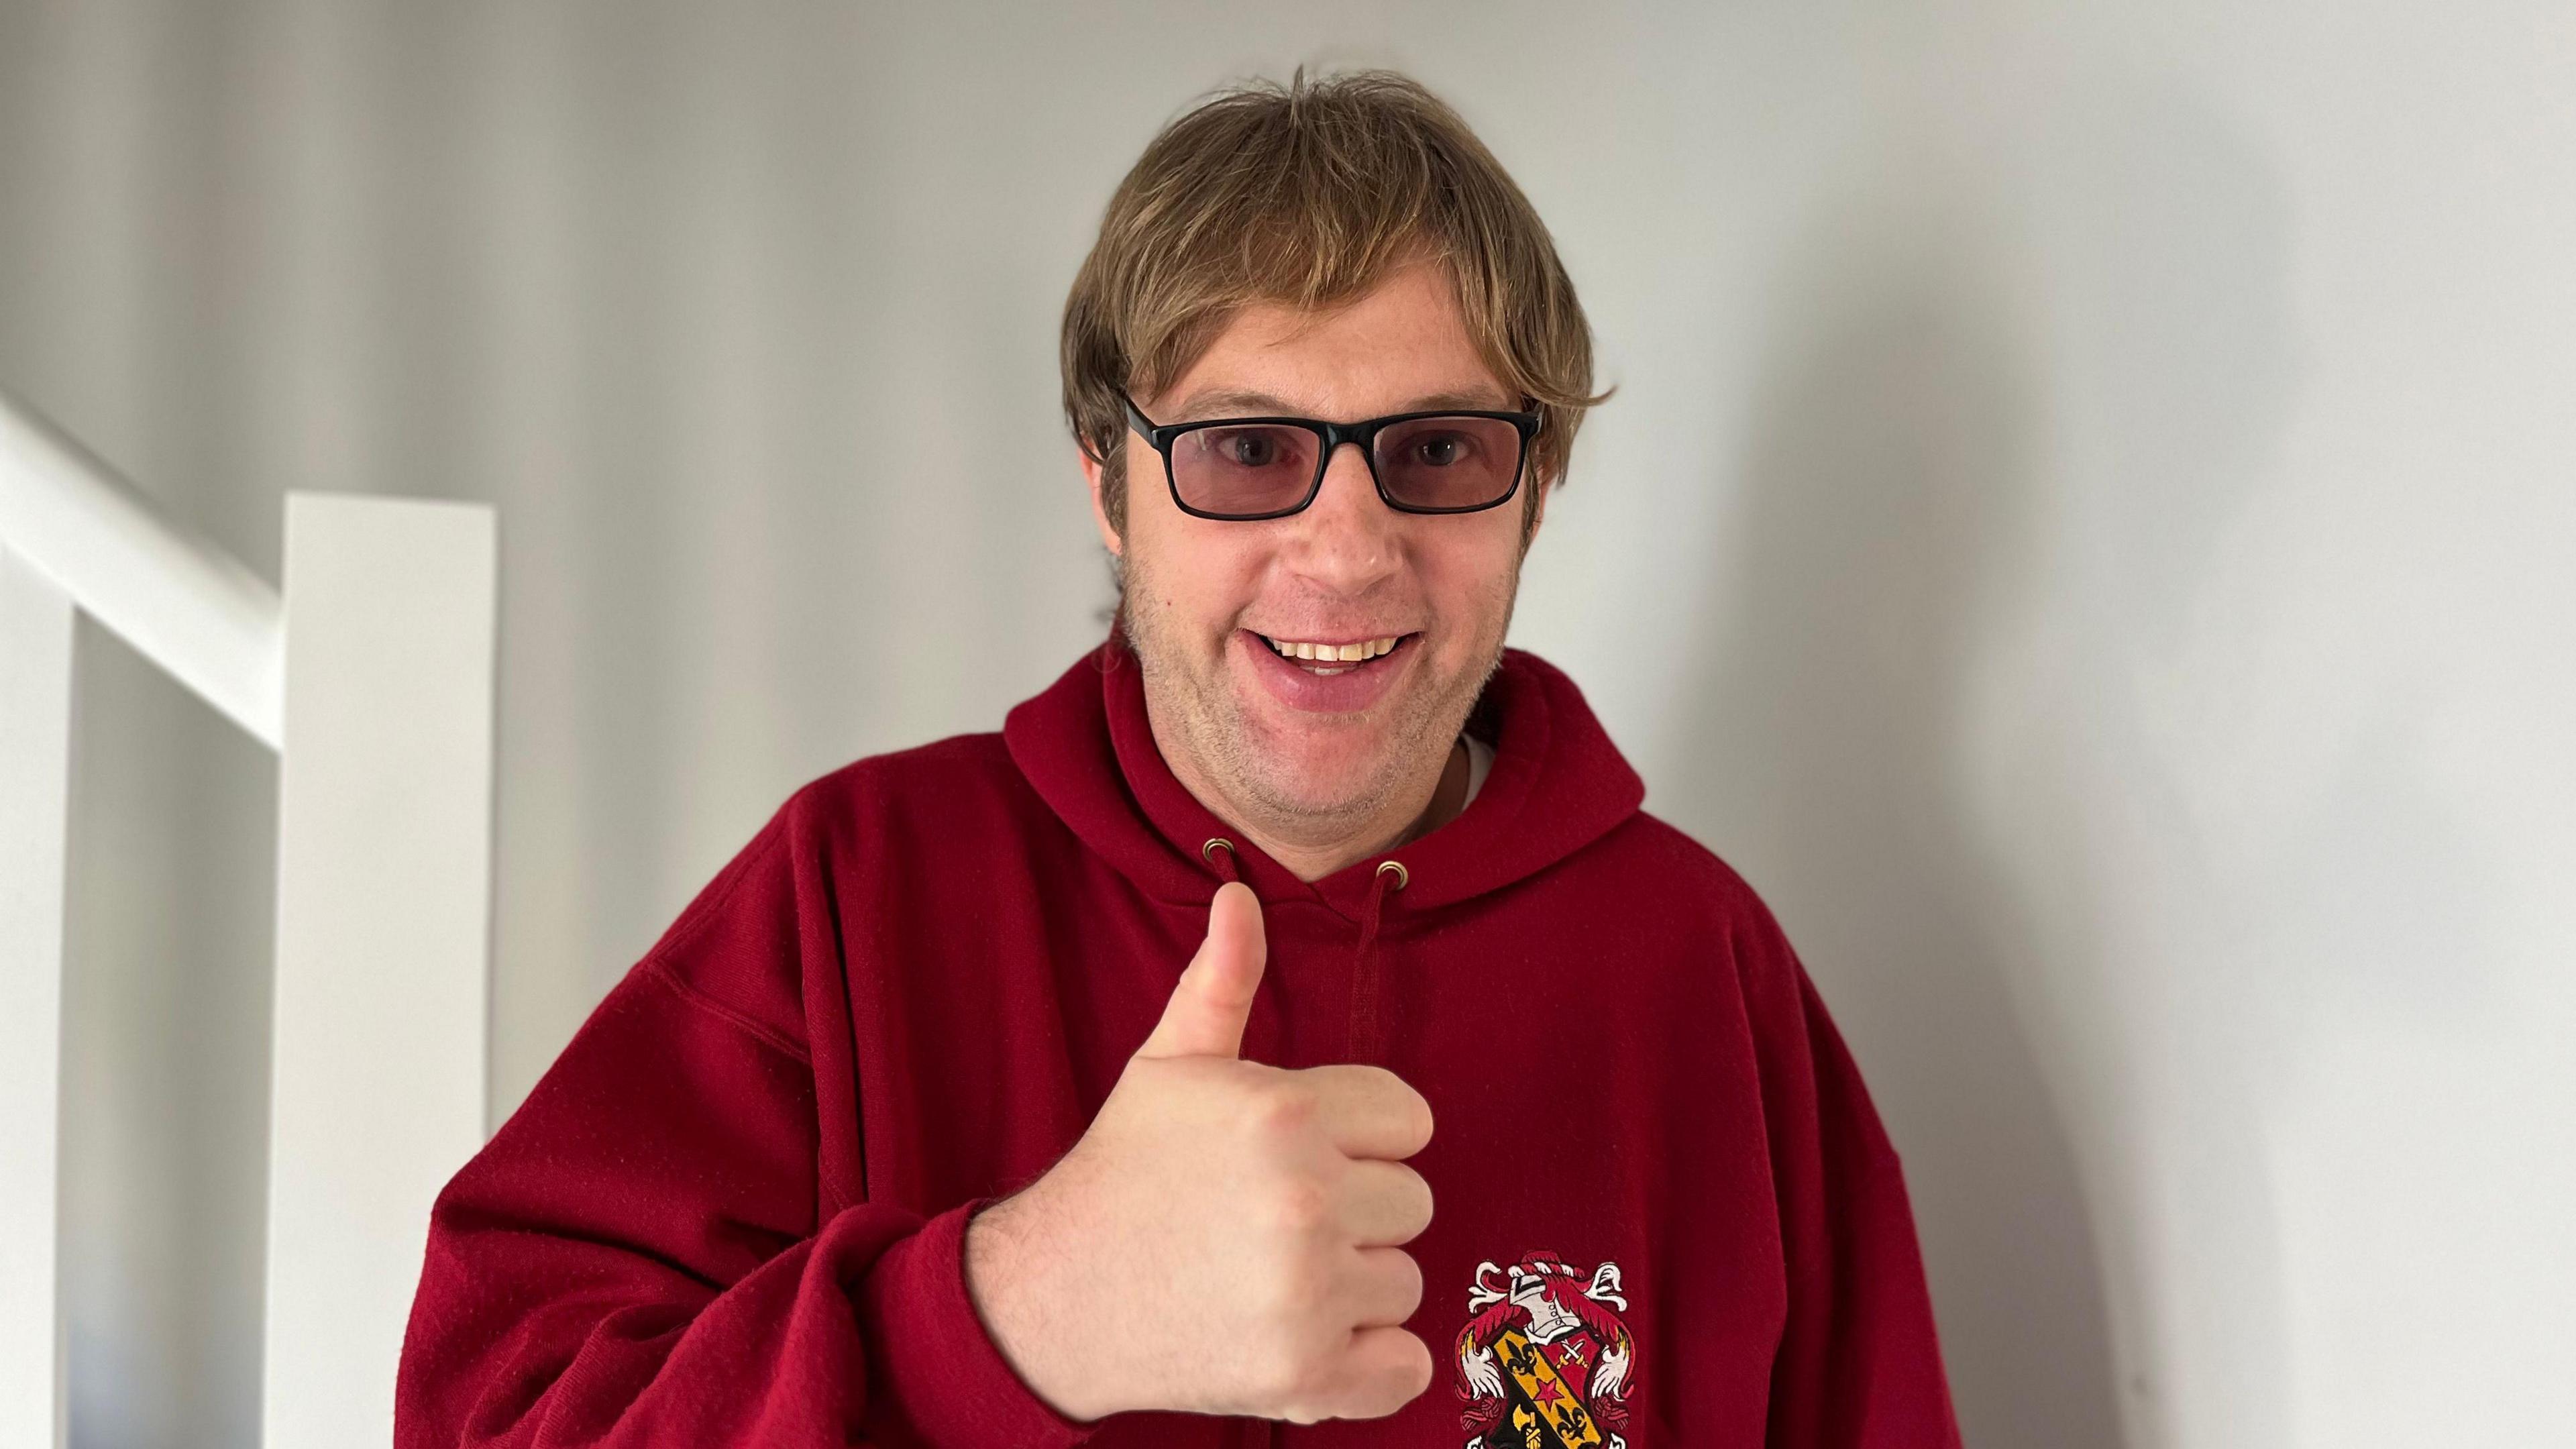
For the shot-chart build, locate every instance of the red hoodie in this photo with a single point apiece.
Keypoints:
(732, 1212)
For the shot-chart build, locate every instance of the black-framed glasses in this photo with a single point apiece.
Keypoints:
(1244, 469)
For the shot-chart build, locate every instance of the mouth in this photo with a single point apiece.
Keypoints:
(1327, 659)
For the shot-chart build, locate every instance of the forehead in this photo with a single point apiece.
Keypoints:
(1402, 345)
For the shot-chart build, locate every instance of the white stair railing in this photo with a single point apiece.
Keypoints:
(372, 678)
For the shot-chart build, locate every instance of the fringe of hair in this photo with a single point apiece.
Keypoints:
(1310, 194)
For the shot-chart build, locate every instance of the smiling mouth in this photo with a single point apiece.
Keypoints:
(1327, 660)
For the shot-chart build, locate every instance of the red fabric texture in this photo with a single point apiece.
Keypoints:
(732, 1213)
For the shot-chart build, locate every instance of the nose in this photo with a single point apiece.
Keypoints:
(1347, 540)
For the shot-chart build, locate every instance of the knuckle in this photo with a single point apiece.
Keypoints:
(1403, 1102)
(1413, 1370)
(1420, 1108)
(1293, 1386)
(1394, 1284)
(1383, 1079)
(1411, 1278)
(1418, 1199)
(1306, 1288)
(1395, 1372)
(1302, 1207)
(1281, 1111)
(1290, 1296)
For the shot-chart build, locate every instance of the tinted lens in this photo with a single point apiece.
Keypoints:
(1449, 462)
(1244, 468)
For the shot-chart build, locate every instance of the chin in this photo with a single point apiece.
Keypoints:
(1306, 797)
(1315, 769)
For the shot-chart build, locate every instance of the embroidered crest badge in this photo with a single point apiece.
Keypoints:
(1545, 1361)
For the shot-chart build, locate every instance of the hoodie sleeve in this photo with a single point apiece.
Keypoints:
(647, 1254)
(1859, 1362)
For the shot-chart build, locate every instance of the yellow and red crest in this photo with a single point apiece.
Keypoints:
(1545, 1361)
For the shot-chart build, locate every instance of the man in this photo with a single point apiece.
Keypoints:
(1080, 1081)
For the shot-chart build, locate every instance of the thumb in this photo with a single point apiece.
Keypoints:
(1208, 1008)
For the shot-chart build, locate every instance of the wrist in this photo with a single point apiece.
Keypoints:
(1002, 1284)
(934, 1375)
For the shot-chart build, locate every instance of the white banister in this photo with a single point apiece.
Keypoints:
(35, 773)
(372, 678)
(180, 601)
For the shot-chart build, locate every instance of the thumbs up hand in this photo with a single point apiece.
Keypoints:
(1208, 1009)
(1225, 1237)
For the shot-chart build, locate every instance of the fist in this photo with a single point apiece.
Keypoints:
(1226, 1237)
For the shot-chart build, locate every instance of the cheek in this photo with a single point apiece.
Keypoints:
(1471, 583)
(1200, 579)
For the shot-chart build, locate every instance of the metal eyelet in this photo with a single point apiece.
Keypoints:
(1401, 875)
(1214, 842)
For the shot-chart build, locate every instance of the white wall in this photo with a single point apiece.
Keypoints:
(2084, 526)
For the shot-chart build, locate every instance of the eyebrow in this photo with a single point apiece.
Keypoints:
(1221, 402)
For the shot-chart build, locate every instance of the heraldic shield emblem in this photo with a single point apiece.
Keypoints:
(1545, 1361)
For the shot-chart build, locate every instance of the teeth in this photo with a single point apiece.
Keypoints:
(1333, 653)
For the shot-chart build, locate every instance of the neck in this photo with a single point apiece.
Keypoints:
(1430, 800)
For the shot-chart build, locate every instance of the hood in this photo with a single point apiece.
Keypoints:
(1557, 785)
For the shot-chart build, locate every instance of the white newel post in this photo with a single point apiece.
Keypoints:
(372, 678)
(384, 832)
(35, 779)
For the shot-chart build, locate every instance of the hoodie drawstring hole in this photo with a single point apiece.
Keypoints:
(1226, 867)
(1401, 875)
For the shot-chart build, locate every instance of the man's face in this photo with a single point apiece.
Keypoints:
(1307, 743)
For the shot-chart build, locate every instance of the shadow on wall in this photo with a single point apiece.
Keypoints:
(1889, 487)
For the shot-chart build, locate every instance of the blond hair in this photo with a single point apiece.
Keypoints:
(1310, 194)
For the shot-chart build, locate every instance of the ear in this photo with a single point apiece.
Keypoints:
(1091, 470)
(1537, 515)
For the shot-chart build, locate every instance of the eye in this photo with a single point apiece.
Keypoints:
(1250, 449)
(1439, 450)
